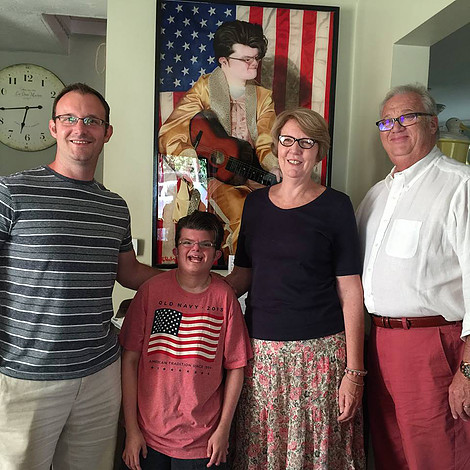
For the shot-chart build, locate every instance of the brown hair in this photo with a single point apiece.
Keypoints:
(83, 89)
(199, 220)
(239, 32)
(310, 122)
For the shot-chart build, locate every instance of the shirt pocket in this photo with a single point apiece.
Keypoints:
(403, 239)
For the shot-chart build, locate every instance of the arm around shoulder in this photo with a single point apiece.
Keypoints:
(239, 280)
(132, 273)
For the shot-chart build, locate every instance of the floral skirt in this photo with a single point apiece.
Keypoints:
(287, 413)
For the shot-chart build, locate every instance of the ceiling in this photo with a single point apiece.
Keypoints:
(46, 25)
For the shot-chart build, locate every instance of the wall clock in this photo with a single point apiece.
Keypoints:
(27, 92)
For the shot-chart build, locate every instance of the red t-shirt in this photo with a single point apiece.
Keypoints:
(186, 341)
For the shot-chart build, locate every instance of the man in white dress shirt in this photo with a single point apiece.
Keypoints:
(415, 232)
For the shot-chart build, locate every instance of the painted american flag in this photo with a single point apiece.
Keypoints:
(185, 335)
(299, 65)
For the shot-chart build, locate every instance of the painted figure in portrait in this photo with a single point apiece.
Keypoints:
(224, 123)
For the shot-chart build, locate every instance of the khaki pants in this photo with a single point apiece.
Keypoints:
(69, 423)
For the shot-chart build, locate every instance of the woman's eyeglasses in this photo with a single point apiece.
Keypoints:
(304, 142)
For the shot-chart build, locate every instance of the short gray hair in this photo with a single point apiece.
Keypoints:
(427, 100)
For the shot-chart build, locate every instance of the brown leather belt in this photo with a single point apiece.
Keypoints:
(413, 322)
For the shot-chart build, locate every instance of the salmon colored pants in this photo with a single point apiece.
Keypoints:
(411, 424)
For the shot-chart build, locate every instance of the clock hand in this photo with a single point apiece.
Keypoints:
(26, 108)
(2, 108)
(24, 118)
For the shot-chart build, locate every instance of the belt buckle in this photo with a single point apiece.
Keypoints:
(405, 323)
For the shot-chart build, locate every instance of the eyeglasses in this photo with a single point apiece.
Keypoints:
(247, 60)
(304, 142)
(204, 245)
(70, 120)
(404, 120)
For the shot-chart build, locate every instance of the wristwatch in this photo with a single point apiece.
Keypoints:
(465, 369)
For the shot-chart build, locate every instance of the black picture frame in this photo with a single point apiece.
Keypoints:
(300, 69)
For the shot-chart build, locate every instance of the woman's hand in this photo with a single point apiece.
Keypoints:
(135, 443)
(350, 396)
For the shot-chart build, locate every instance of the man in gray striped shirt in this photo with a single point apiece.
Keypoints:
(64, 240)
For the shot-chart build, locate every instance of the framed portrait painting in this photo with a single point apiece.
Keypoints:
(223, 72)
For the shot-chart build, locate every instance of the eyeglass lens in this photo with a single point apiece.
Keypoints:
(70, 120)
(304, 142)
(247, 60)
(404, 120)
(205, 244)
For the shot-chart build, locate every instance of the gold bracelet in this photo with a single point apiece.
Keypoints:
(354, 382)
(356, 372)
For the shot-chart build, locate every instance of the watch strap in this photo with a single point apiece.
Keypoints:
(465, 369)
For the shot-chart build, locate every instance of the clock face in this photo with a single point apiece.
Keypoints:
(27, 92)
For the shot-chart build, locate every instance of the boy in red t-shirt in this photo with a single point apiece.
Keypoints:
(185, 348)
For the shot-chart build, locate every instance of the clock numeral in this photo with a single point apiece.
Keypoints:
(10, 133)
(42, 136)
(11, 80)
(1, 120)
(3, 91)
(43, 82)
(27, 137)
(28, 77)
(53, 94)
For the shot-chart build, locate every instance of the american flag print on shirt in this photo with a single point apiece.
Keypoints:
(185, 335)
(299, 66)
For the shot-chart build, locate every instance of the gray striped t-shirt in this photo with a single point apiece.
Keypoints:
(59, 244)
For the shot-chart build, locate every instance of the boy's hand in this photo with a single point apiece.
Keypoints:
(217, 447)
(135, 443)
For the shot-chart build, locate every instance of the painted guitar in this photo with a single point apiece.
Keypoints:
(230, 160)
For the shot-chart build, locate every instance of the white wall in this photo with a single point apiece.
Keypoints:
(130, 77)
(77, 66)
(368, 31)
(379, 26)
(409, 58)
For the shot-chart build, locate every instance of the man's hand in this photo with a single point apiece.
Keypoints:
(459, 397)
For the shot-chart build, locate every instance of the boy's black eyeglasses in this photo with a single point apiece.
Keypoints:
(204, 245)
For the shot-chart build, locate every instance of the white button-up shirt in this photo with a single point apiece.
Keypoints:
(414, 228)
